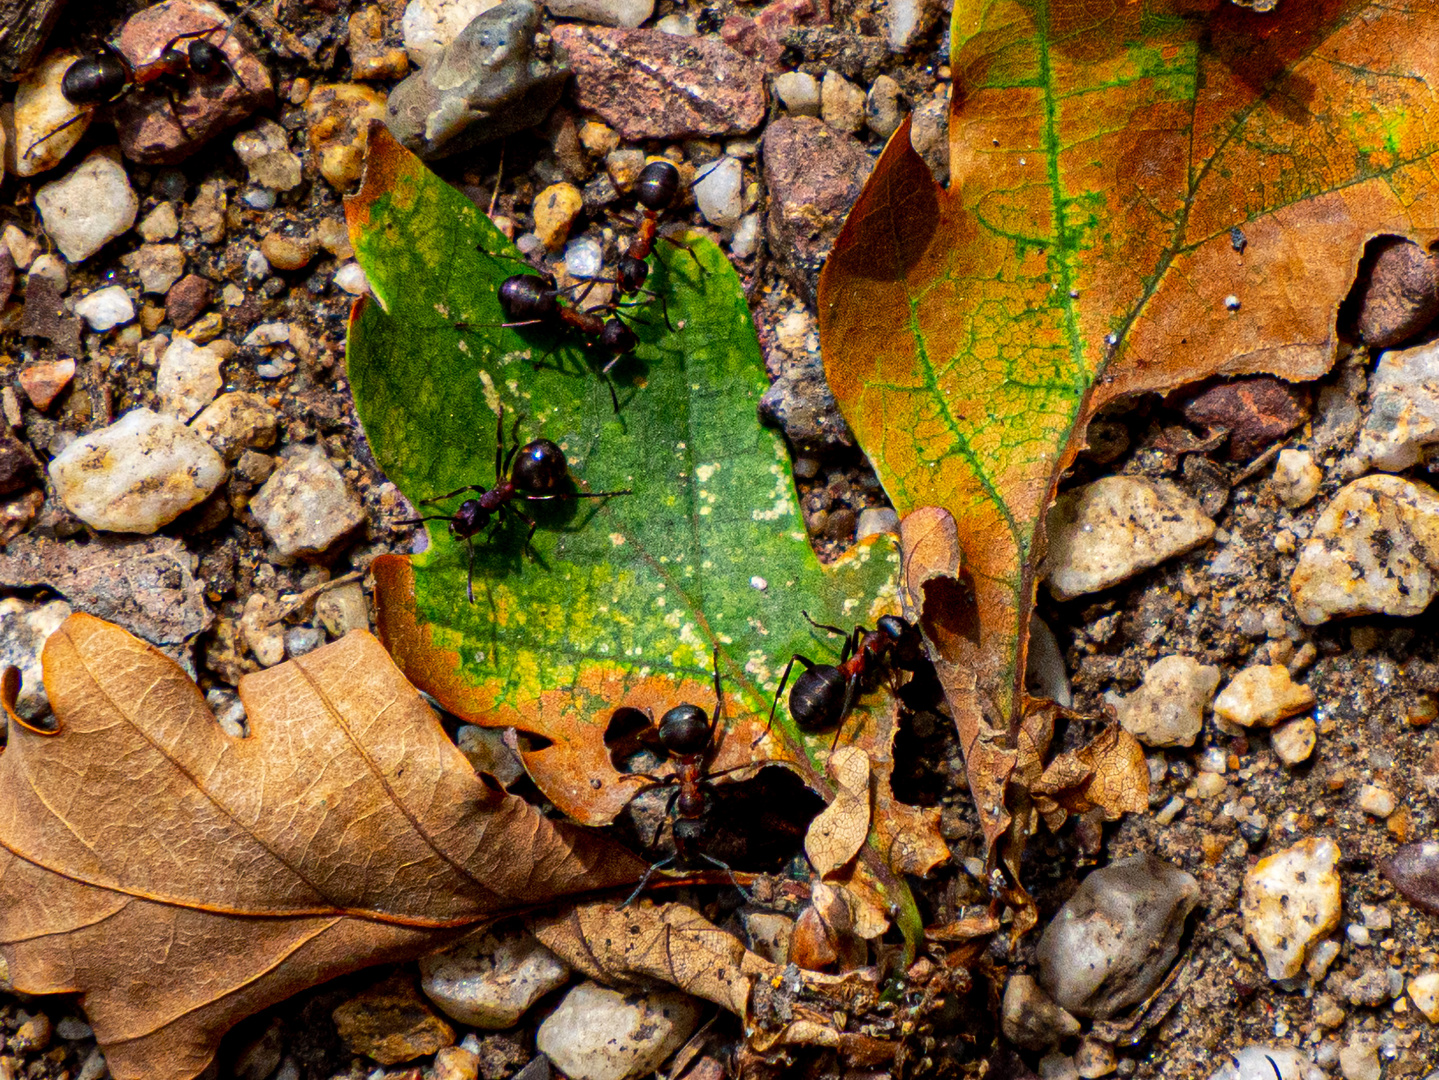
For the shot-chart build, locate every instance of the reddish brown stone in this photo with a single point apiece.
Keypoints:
(7, 275)
(1399, 296)
(814, 175)
(647, 84)
(762, 37)
(1255, 411)
(43, 382)
(148, 128)
(17, 464)
(187, 299)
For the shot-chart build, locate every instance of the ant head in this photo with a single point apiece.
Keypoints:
(617, 337)
(632, 273)
(205, 59)
(685, 729)
(528, 296)
(905, 639)
(892, 626)
(96, 80)
(540, 466)
(659, 180)
(469, 519)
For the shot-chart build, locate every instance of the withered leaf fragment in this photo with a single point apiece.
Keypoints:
(179, 879)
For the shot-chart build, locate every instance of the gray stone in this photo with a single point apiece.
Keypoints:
(800, 402)
(600, 1034)
(1030, 1019)
(875, 521)
(306, 506)
(1105, 532)
(429, 25)
(483, 85)
(1168, 708)
(841, 103)
(138, 474)
(89, 206)
(158, 266)
(1374, 549)
(1403, 411)
(342, 609)
(488, 981)
(265, 151)
(1113, 941)
(882, 112)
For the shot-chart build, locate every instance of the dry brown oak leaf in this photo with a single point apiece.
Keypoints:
(179, 879)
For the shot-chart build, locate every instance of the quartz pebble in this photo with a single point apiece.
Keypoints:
(1290, 901)
(875, 521)
(1403, 415)
(306, 506)
(1358, 1059)
(719, 192)
(351, 278)
(455, 1063)
(342, 609)
(23, 247)
(600, 1034)
(1294, 741)
(841, 103)
(798, 92)
(261, 630)
(237, 422)
(41, 110)
(1369, 552)
(105, 309)
(188, 378)
(1168, 708)
(485, 84)
(488, 981)
(905, 21)
(136, 475)
(584, 257)
(1424, 992)
(882, 112)
(429, 25)
(1108, 531)
(1296, 478)
(89, 206)
(1376, 800)
(1112, 942)
(745, 241)
(1030, 1019)
(555, 211)
(1262, 696)
(625, 13)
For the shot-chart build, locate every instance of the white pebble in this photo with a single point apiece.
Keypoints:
(624, 13)
(138, 474)
(51, 267)
(188, 378)
(256, 265)
(1359, 935)
(719, 192)
(1376, 800)
(270, 333)
(758, 582)
(798, 92)
(745, 241)
(599, 1032)
(105, 308)
(258, 198)
(352, 279)
(1290, 901)
(427, 26)
(89, 206)
(584, 258)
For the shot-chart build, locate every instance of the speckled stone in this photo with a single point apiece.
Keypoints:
(600, 1034)
(1168, 708)
(306, 506)
(1290, 901)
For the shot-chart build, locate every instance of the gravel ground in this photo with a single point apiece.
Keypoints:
(235, 586)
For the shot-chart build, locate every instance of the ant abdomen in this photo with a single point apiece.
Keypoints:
(205, 58)
(817, 697)
(95, 81)
(540, 467)
(658, 182)
(528, 296)
(685, 729)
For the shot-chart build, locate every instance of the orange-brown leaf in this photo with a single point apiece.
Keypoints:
(179, 879)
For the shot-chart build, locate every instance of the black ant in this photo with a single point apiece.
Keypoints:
(106, 76)
(534, 472)
(824, 694)
(529, 300)
(688, 734)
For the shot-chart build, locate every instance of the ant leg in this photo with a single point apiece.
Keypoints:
(470, 570)
(686, 247)
(574, 495)
(73, 120)
(427, 517)
(733, 880)
(610, 384)
(719, 697)
(452, 494)
(825, 626)
(514, 447)
(851, 691)
(669, 809)
(175, 112)
(783, 679)
(646, 880)
(499, 443)
(529, 536)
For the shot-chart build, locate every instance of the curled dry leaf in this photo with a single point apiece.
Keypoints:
(825, 933)
(673, 944)
(836, 834)
(1109, 774)
(179, 879)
